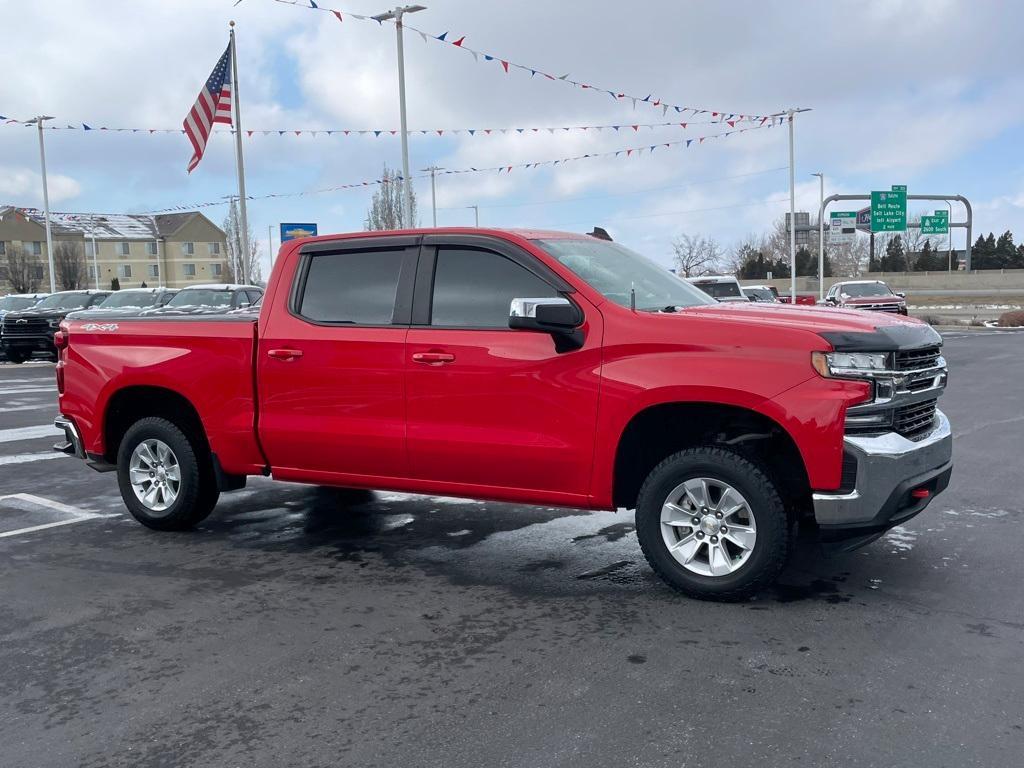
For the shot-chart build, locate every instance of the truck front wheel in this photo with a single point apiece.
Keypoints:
(164, 482)
(711, 523)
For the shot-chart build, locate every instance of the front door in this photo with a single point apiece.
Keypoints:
(490, 407)
(332, 366)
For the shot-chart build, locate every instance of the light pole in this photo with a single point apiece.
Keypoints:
(792, 213)
(821, 238)
(397, 15)
(433, 191)
(38, 121)
(476, 214)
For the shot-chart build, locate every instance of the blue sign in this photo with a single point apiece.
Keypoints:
(297, 231)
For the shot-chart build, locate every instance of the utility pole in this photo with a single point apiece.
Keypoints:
(949, 239)
(476, 214)
(270, 242)
(433, 191)
(821, 237)
(397, 15)
(792, 213)
(38, 121)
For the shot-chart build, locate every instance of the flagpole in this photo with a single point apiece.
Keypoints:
(244, 223)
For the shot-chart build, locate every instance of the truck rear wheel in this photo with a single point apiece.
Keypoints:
(16, 355)
(164, 482)
(711, 523)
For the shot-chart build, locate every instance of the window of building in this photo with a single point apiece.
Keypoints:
(151, 249)
(216, 269)
(3, 248)
(124, 271)
(189, 270)
(188, 249)
(474, 289)
(92, 272)
(153, 270)
(214, 249)
(92, 249)
(37, 248)
(37, 273)
(124, 248)
(356, 287)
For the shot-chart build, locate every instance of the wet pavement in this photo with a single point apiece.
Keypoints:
(313, 627)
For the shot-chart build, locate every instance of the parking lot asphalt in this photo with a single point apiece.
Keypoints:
(307, 627)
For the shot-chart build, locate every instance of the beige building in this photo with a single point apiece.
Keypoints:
(173, 250)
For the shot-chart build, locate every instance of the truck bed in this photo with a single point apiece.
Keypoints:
(207, 359)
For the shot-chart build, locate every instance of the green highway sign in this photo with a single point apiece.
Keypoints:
(935, 225)
(889, 210)
(943, 214)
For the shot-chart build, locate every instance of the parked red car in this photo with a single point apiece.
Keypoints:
(872, 295)
(805, 299)
(532, 367)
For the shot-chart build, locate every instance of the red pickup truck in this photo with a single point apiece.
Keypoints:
(533, 367)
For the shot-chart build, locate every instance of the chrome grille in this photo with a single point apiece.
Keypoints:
(914, 421)
(894, 308)
(916, 359)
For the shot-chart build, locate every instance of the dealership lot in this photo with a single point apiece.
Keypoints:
(302, 626)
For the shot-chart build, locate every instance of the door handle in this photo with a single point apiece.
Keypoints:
(284, 354)
(433, 358)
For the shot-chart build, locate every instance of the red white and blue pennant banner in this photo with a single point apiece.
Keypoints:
(499, 169)
(379, 132)
(459, 41)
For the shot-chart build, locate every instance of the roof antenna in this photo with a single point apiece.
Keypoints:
(632, 297)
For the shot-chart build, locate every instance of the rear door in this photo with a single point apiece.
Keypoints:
(332, 363)
(490, 407)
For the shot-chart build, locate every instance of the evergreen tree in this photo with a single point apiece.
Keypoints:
(1006, 251)
(895, 259)
(929, 260)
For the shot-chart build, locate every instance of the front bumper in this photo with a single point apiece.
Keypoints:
(892, 476)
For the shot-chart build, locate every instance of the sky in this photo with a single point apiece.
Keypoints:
(927, 93)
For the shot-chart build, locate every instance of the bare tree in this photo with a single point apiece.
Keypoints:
(69, 264)
(696, 255)
(21, 270)
(387, 208)
(241, 267)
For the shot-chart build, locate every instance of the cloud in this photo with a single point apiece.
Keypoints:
(23, 186)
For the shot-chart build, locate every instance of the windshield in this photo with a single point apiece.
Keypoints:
(129, 299)
(14, 303)
(760, 294)
(858, 290)
(726, 290)
(201, 297)
(64, 301)
(614, 270)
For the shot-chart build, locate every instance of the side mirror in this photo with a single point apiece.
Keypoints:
(901, 294)
(557, 316)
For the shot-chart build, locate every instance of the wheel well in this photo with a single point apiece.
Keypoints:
(661, 430)
(133, 403)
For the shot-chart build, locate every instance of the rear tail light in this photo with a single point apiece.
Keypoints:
(920, 493)
(59, 370)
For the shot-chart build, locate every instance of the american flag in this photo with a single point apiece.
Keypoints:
(213, 105)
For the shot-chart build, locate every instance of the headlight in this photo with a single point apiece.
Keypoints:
(845, 365)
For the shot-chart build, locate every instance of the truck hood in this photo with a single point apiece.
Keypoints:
(48, 314)
(873, 300)
(843, 329)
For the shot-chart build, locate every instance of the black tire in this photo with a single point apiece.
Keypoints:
(770, 549)
(197, 493)
(17, 356)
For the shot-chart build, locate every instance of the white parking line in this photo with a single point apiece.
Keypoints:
(39, 407)
(27, 458)
(28, 433)
(35, 380)
(27, 390)
(77, 515)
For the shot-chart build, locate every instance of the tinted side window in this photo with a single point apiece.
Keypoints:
(473, 288)
(352, 287)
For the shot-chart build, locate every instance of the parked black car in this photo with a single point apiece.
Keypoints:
(128, 302)
(16, 302)
(210, 299)
(32, 330)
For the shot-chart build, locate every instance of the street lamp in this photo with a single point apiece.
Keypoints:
(821, 238)
(433, 190)
(476, 214)
(38, 122)
(397, 15)
(949, 238)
